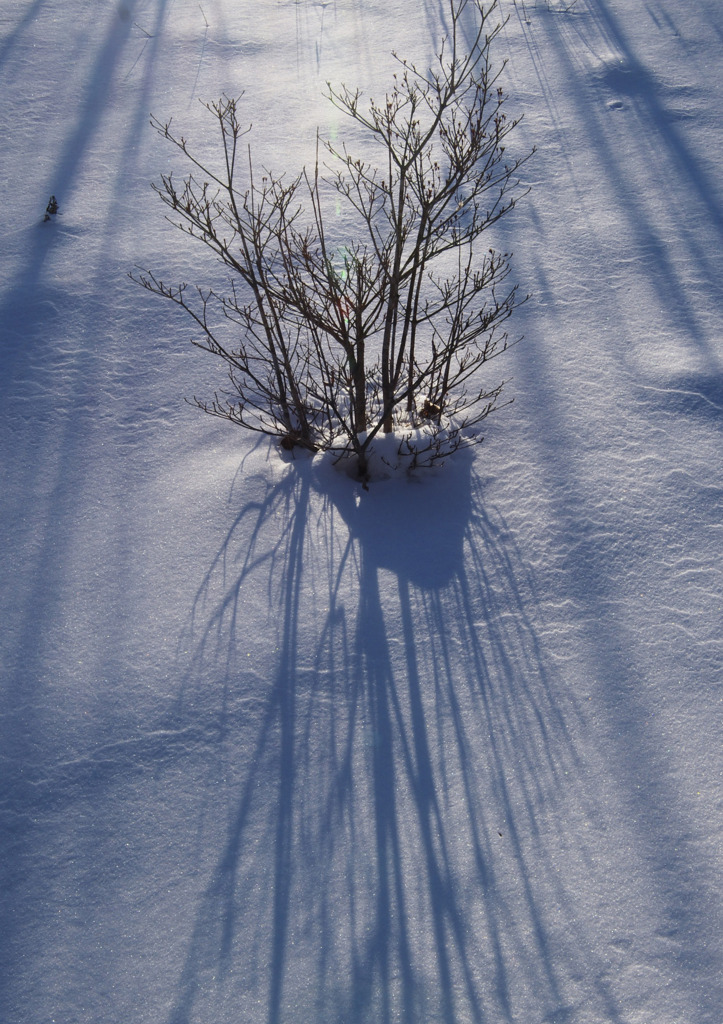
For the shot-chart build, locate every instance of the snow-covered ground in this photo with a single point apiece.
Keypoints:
(278, 749)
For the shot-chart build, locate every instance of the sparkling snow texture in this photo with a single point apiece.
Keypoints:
(279, 749)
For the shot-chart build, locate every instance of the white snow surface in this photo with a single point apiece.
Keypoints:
(276, 748)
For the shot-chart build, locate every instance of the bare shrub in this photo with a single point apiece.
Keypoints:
(331, 342)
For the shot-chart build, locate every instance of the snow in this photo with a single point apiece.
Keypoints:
(276, 748)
